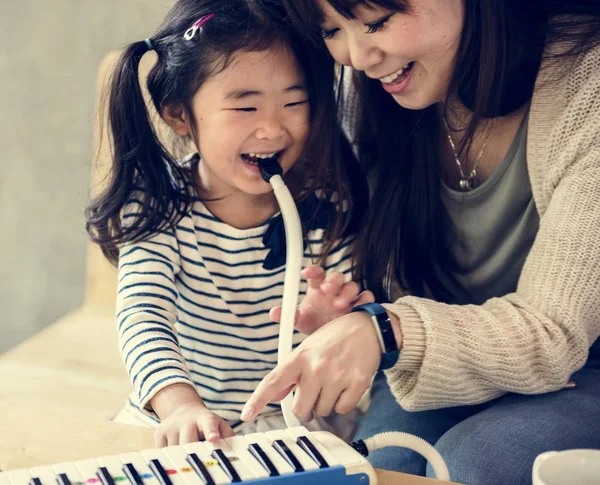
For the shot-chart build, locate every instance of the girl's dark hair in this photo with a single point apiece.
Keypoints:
(141, 164)
(500, 53)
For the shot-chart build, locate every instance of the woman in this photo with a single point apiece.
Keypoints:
(479, 122)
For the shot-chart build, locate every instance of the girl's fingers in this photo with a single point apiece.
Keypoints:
(172, 437)
(160, 439)
(347, 296)
(189, 434)
(333, 284)
(210, 428)
(315, 275)
(365, 297)
(275, 314)
(225, 430)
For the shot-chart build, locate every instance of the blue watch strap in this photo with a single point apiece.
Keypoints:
(380, 318)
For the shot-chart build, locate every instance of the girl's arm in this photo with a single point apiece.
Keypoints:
(146, 316)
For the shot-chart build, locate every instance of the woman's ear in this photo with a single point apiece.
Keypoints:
(176, 117)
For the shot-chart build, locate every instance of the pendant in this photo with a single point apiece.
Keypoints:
(468, 183)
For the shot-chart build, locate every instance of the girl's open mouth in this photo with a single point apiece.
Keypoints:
(254, 158)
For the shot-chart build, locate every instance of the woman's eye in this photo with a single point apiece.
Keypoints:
(297, 103)
(328, 34)
(377, 26)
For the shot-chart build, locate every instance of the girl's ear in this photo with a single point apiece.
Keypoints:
(176, 117)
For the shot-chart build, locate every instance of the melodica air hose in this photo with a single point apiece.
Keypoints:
(272, 172)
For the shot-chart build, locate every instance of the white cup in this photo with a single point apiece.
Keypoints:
(571, 467)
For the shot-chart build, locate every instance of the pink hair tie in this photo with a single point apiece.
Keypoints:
(191, 32)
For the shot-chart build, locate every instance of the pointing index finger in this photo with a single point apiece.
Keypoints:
(274, 387)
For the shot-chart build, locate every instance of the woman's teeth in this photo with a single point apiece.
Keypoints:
(393, 77)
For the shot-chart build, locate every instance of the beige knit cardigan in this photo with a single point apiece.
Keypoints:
(533, 340)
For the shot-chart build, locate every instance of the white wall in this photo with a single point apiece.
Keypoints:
(49, 52)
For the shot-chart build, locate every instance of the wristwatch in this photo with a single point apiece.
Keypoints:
(385, 333)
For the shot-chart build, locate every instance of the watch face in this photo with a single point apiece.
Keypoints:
(387, 332)
(382, 317)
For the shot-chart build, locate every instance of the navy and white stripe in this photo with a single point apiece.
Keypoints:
(193, 306)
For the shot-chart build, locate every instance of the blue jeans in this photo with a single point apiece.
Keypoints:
(491, 443)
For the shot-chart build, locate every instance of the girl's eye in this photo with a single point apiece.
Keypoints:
(377, 26)
(246, 110)
(328, 34)
(297, 103)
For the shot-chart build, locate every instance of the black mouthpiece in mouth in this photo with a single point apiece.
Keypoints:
(269, 167)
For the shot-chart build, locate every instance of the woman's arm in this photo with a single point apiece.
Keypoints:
(531, 341)
(527, 342)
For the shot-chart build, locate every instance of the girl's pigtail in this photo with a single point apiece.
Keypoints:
(140, 165)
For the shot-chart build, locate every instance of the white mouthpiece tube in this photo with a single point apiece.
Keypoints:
(291, 283)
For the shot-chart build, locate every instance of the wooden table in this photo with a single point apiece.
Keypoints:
(32, 436)
(72, 366)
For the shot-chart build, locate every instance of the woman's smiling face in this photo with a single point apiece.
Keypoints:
(412, 51)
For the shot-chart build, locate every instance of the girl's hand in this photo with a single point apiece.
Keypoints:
(327, 298)
(331, 369)
(191, 422)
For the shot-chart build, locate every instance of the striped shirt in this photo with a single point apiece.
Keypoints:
(193, 307)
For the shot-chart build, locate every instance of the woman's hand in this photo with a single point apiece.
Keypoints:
(191, 422)
(327, 298)
(330, 370)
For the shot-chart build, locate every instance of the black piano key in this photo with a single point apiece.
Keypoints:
(132, 474)
(105, 476)
(260, 455)
(159, 472)
(35, 481)
(226, 465)
(200, 469)
(63, 479)
(288, 456)
(311, 450)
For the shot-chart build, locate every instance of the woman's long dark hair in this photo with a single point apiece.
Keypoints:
(500, 53)
(142, 164)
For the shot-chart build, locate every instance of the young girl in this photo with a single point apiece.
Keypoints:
(200, 247)
(480, 123)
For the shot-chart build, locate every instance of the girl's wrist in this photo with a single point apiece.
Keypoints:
(173, 397)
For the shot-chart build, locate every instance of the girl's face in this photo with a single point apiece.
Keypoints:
(412, 52)
(257, 107)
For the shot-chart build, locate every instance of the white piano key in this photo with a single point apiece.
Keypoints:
(305, 460)
(19, 477)
(239, 445)
(45, 474)
(210, 463)
(115, 468)
(240, 467)
(69, 469)
(346, 455)
(141, 467)
(299, 431)
(282, 466)
(4, 479)
(178, 457)
(88, 470)
(158, 454)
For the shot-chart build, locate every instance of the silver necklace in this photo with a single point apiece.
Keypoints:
(469, 182)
